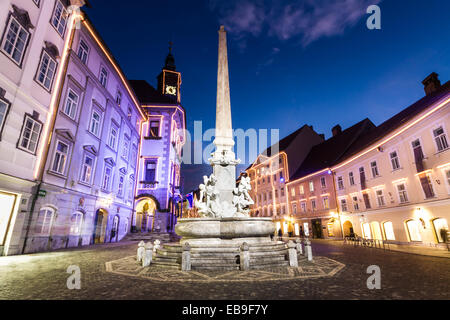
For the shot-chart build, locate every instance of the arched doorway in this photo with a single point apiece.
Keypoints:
(348, 229)
(101, 219)
(115, 230)
(146, 215)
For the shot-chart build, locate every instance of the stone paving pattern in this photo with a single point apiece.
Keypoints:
(403, 276)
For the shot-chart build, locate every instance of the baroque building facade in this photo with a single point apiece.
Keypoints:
(158, 199)
(75, 130)
(34, 38)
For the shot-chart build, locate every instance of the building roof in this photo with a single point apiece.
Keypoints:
(147, 94)
(328, 153)
(397, 121)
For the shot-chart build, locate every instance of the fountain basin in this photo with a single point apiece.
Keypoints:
(225, 230)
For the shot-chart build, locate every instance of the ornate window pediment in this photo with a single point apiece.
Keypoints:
(66, 134)
(23, 17)
(110, 161)
(52, 50)
(123, 170)
(90, 149)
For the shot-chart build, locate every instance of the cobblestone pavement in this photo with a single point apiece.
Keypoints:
(403, 276)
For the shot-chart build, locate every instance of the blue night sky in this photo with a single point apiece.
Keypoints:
(291, 62)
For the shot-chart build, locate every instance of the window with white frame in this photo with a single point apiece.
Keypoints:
(304, 208)
(59, 19)
(340, 183)
(44, 221)
(103, 77)
(3, 111)
(355, 203)
(130, 113)
(154, 129)
(374, 166)
(302, 189)
(31, 132)
(87, 169)
(380, 198)
(323, 182)
(15, 40)
(311, 186)
(107, 174)
(351, 178)
(344, 206)
(294, 208)
(395, 162)
(76, 224)
(119, 97)
(293, 192)
(326, 203)
(94, 126)
(441, 139)
(121, 185)
(83, 51)
(313, 205)
(46, 71)
(60, 157)
(447, 176)
(71, 105)
(113, 135)
(402, 193)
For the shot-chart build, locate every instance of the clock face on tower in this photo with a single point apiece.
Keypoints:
(171, 90)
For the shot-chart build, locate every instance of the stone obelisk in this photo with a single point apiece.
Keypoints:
(224, 160)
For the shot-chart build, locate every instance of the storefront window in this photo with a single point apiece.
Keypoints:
(413, 230)
(441, 227)
(367, 232)
(389, 231)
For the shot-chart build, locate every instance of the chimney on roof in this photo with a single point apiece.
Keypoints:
(336, 130)
(431, 83)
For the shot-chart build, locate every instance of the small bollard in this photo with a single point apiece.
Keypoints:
(308, 250)
(141, 251)
(186, 257)
(293, 259)
(299, 247)
(156, 245)
(244, 257)
(146, 262)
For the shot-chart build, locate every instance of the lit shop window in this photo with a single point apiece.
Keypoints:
(367, 231)
(389, 231)
(441, 228)
(414, 231)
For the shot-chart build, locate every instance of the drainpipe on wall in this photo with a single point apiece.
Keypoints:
(44, 159)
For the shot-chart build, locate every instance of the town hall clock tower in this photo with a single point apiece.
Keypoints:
(169, 80)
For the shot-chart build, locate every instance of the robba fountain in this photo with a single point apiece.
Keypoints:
(225, 232)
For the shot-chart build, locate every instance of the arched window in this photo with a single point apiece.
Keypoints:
(440, 227)
(76, 224)
(413, 231)
(44, 221)
(389, 231)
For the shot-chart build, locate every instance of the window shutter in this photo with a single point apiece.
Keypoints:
(418, 155)
(426, 186)
(366, 200)
(363, 180)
